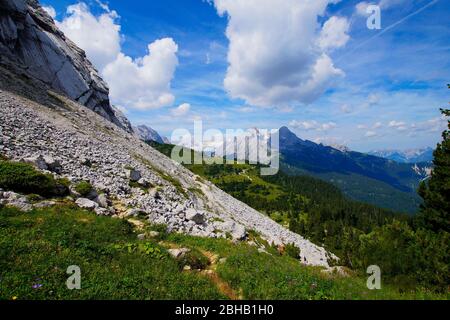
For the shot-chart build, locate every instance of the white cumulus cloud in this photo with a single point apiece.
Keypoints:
(182, 110)
(98, 36)
(334, 33)
(144, 83)
(141, 83)
(312, 125)
(278, 50)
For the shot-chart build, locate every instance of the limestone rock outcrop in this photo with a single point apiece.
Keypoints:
(31, 45)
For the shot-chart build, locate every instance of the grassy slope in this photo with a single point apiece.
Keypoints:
(37, 247)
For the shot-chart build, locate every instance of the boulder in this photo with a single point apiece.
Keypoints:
(141, 236)
(153, 234)
(45, 162)
(133, 212)
(144, 183)
(237, 231)
(102, 201)
(86, 204)
(178, 253)
(133, 175)
(102, 211)
(20, 203)
(44, 204)
(53, 165)
(37, 161)
(196, 216)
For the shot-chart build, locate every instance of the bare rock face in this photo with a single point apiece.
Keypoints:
(31, 44)
(147, 134)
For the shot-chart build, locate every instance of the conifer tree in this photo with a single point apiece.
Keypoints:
(435, 212)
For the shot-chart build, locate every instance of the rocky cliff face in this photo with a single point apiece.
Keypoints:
(147, 134)
(32, 46)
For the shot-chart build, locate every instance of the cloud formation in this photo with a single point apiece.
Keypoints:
(312, 125)
(361, 7)
(182, 110)
(278, 52)
(142, 83)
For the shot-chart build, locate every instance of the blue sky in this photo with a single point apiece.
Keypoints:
(383, 90)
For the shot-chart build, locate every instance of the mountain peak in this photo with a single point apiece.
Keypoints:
(146, 133)
(285, 130)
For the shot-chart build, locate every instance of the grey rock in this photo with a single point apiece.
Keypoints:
(133, 212)
(141, 236)
(178, 253)
(196, 216)
(86, 204)
(237, 231)
(144, 183)
(52, 164)
(133, 175)
(122, 119)
(147, 134)
(10, 195)
(102, 201)
(153, 234)
(102, 211)
(18, 201)
(44, 204)
(45, 162)
(37, 161)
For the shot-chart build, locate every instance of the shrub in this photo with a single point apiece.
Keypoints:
(84, 188)
(195, 259)
(292, 251)
(24, 178)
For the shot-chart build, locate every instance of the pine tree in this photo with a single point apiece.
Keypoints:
(435, 212)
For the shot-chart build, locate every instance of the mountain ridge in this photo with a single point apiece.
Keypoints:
(302, 156)
(405, 156)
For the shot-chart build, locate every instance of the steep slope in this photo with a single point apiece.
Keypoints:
(75, 135)
(54, 106)
(32, 46)
(363, 177)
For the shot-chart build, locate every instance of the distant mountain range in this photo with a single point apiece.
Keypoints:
(364, 177)
(406, 156)
(360, 176)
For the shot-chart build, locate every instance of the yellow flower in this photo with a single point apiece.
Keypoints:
(14, 298)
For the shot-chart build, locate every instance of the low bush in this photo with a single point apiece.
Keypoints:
(24, 178)
(292, 251)
(84, 188)
(195, 259)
